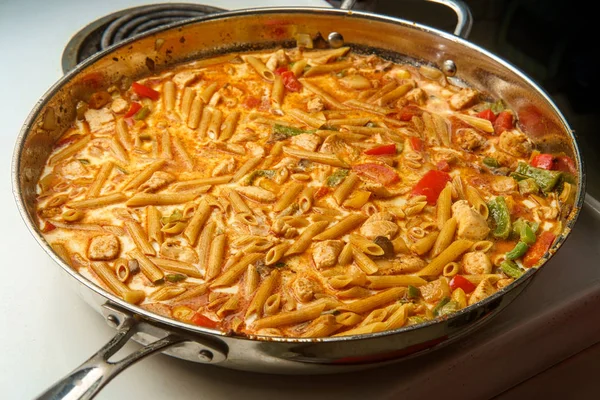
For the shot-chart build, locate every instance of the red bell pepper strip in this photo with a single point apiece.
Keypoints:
(565, 164)
(48, 227)
(377, 172)
(461, 282)
(290, 81)
(145, 91)
(133, 108)
(281, 70)
(431, 184)
(385, 149)
(544, 161)
(407, 112)
(487, 114)
(504, 122)
(322, 192)
(416, 143)
(251, 102)
(201, 320)
(538, 249)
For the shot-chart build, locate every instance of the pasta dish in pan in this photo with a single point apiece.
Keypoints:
(301, 193)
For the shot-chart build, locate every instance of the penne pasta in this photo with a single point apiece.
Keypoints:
(326, 97)
(289, 196)
(123, 136)
(215, 256)
(345, 188)
(363, 261)
(451, 253)
(99, 201)
(445, 237)
(153, 217)
(390, 281)
(261, 68)
(198, 220)
(374, 301)
(152, 272)
(70, 150)
(229, 126)
(164, 199)
(235, 271)
(176, 266)
(347, 224)
(327, 68)
(169, 95)
(305, 239)
(144, 175)
(306, 313)
(99, 180)
(139, 237)
(262, 294)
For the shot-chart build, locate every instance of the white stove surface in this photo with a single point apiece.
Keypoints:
(47, 330)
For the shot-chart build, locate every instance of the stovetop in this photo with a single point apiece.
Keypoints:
(120, 25)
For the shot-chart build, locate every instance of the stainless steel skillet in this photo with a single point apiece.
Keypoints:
(255, 29)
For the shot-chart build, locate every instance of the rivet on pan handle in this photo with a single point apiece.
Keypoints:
(85, 381)
(463, 14)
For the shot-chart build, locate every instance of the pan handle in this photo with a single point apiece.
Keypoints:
(85, 381)
(463, 14)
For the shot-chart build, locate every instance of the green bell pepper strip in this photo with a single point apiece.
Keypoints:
(525, 231)
(511, 269)
(337, 177)
(545, 179)
(412, 292)
(499, 211)
(143, 113)
(438, 307)
(282, 132)
(518, 251)
(527, 186)
(491, 162)
(448, 308)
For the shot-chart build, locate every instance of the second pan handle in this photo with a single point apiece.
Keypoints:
(463, 14)
(85, 381)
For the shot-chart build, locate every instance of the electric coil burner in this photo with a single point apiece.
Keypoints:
(124, 24)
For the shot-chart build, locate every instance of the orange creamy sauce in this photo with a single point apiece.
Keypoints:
(168, 213)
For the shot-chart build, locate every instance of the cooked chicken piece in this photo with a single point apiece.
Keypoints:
(281, 228)
(372, 229)
(515, 143)
(483, 290)
(119, 105)
(225, 167)
(504, 159)
(381, 216)
(468, 139)
(157, 181)
(434, 291)
(104, 248)
(184, 78)
(305, 289)
(416, 95)
(97, 118)
(325, 253)
(504, 184)
(315, 105)
(255, 149)
(306, 141)
(471, 224)
(465, 98)
(176, 250)
(405, 265)
(443, 154)
(245, 136)
(334, 144)
(73, 169)
(476, 262)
